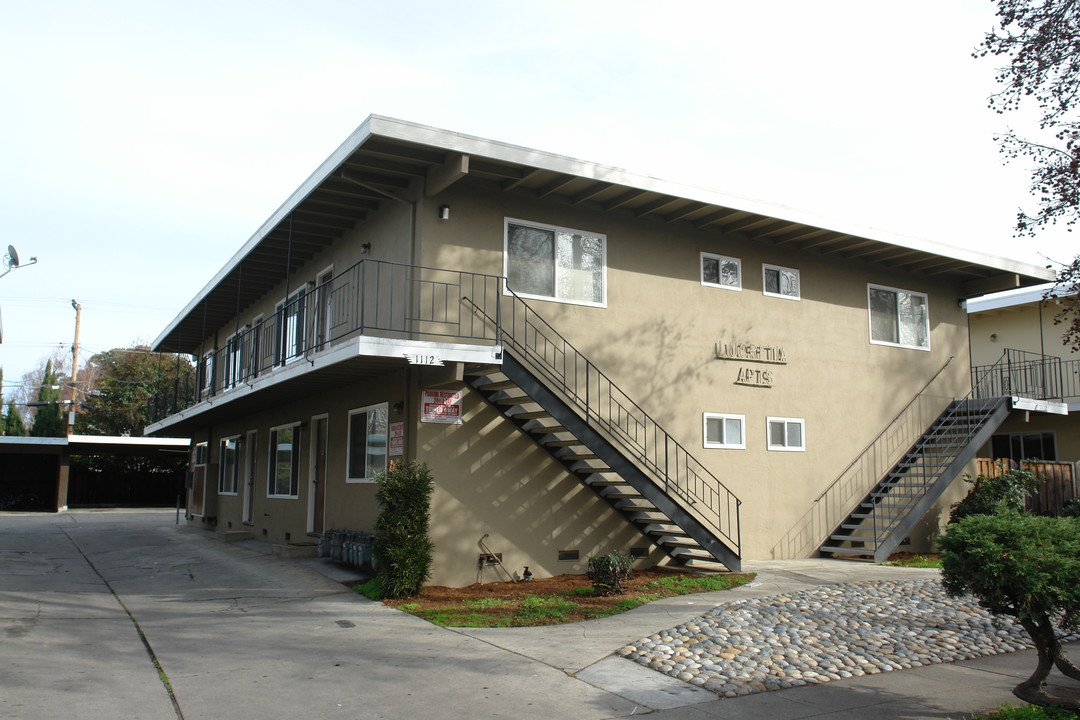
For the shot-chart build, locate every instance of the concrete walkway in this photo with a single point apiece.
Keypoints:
(90, 601)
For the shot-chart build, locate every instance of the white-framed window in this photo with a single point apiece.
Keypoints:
(722, 430)
(786, 433)
(206, 375)
(555, 263)
(236, 360)
(283, 479)
(721, 271)
(292, 325)
(783, 282)
(229, 466)
(368, 427)
(898, 317)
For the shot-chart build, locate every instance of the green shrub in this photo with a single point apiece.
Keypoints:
(1009, 490)
(609, 573)
(402, 545)
(1024, 566)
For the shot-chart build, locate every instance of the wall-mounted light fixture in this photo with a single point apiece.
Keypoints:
(365, 248)
(444, 212)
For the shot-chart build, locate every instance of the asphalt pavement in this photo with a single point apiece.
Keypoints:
(114, 614)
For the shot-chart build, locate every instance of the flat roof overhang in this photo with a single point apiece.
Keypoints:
(361, 359)
(384, 158)
(93, 445)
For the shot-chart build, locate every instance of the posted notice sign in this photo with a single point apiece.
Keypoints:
(397, 439)
(441, 406)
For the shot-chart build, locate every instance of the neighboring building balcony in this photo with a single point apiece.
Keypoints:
(1038, 382)
(372, 316)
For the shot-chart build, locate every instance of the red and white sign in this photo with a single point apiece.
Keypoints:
(441, 406)
(397, 439)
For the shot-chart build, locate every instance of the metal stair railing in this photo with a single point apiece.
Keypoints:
(606, 406)
(864, 472)
(951, 434)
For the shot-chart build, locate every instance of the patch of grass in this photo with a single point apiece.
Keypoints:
(584, 591)
(1026, 712)
(483, 603)
(372, 589)
(915, 561)
(686, 584)
(545, 607)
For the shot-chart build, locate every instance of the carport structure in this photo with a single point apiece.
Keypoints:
(34, 471)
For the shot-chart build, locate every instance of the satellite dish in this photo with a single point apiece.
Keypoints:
(13, 257)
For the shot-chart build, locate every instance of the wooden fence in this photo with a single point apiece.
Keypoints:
(1056, 489)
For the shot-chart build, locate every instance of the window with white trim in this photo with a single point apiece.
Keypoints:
(780, 281)
(236, 357)
(722, 430)
(786, 433)
(721, 271)
(229, 466)
(898, 317)
(367, 442)
(206, 375)
(555, 263)
(292, 325)
(283, 480)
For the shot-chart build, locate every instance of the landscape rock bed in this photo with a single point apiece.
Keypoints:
(826, 633)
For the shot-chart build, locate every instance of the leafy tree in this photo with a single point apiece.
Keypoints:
(120, 385)
(1024, 566)
(1040, 41)
(13, 422)
(1066, 295)
(402, 546)
(49, 420)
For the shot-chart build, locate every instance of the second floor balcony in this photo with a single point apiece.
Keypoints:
(374, 309)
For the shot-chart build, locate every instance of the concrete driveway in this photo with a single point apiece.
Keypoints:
(237, 634)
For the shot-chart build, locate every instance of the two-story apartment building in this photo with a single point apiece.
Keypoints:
(587, 359)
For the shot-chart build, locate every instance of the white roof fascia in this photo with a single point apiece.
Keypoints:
(130, 441)
(26, 440)
(1009, 298)
(378, 125)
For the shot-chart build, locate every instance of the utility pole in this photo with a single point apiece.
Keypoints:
(74, 367)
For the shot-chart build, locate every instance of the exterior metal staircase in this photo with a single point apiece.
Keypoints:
(888, 513)
(574, 412)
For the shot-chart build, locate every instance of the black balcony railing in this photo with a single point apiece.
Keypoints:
(1022, 374)
(372, 298)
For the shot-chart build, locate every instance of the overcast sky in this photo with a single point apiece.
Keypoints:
(143, 142)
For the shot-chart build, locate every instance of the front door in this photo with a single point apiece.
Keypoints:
(318, 475)
(249, 478)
